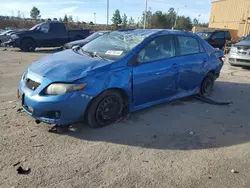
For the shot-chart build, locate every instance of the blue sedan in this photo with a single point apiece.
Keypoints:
(120, 72)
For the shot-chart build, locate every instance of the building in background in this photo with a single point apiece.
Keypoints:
(232, 15)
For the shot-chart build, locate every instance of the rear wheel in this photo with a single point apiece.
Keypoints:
(207, 85)
(105, 109)
(28, 45)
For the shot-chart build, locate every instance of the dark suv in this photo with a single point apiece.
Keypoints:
(216, 38)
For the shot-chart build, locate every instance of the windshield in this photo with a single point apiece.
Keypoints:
(5, 32)
(247, 38)
(204, 35)
(35, 27)
(115, 45)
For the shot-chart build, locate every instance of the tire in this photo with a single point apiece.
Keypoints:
(28, 45)
(207, 85)
(105, 109)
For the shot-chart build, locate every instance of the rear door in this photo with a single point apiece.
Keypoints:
(218, 39)
(192, 59)
(156, 75)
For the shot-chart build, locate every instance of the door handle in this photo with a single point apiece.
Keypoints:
(174, 65)
(205, 60)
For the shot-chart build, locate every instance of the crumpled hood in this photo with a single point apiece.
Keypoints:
(67, 66)
(243, 43)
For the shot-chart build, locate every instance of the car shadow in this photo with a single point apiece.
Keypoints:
(182, 124)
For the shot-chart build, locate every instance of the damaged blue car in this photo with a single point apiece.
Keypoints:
(120, 72)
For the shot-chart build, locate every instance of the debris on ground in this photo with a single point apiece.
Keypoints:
(17, 163)
(234, 171)
(38, 145)
(154, 136)
(19, 110)
(191, 132)
(10, 102)
(4, 115)
(59, 129)
(4, 49)
(32, 136)
(145, 161)
(22, 170)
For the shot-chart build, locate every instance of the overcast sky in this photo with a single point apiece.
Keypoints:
(84, 10)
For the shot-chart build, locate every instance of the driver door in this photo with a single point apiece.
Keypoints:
(156, 75)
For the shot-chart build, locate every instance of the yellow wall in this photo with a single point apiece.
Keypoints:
(230, 14)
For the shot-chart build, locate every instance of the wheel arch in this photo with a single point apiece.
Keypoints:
(26, 38)
(121, 91)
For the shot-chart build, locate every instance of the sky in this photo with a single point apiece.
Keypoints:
(83, 10)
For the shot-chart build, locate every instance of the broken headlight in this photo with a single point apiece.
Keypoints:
(62, 88)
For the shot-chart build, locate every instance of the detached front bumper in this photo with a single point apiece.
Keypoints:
(239, 60)
(62, 109)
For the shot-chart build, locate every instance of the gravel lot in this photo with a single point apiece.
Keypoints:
(185, 143)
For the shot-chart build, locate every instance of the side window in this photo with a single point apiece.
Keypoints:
(219, 35)
(44, 28)
(188, 45)
(159, 48)
(57, 28)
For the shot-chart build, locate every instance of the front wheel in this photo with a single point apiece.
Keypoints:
(105, 109)
(28, 45)
(207, 85)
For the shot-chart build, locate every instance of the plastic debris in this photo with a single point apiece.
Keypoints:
(38, 145)
(234, 171)
(191, 132)
(22, 170)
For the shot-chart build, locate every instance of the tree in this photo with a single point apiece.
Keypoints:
(60, 19)
(171, 16)
(116, 18)
(34, 13)
(159, 20)
(65, 19)
(195, 22)
(184, 23)
(124, 20)
(70, 19)
(131, 21)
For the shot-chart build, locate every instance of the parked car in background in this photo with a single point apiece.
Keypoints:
(240, 53)
(46, 34)
(121, 71)
(216, 38)
(3, 36)
(86, 40)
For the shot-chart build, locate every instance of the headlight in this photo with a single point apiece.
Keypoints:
(233, 49)
(61, 88)
(14, 36)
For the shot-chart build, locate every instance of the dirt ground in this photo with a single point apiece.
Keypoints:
(185, 143)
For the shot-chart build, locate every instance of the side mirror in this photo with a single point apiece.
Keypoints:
(134, 61)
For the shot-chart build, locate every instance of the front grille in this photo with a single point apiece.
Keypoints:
(31, 84)
(243, 60)
(243, 48)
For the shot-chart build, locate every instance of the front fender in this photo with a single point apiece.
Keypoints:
(120, 78)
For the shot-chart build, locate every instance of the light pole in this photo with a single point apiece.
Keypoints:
(145, 13)
(175, 22)
(198, 19)
(107, 12)
(95, 18)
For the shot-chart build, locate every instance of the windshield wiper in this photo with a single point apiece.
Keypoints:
(93, 54)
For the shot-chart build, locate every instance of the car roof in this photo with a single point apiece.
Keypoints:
(148, 32)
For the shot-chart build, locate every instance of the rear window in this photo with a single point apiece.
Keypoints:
(188, 45)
